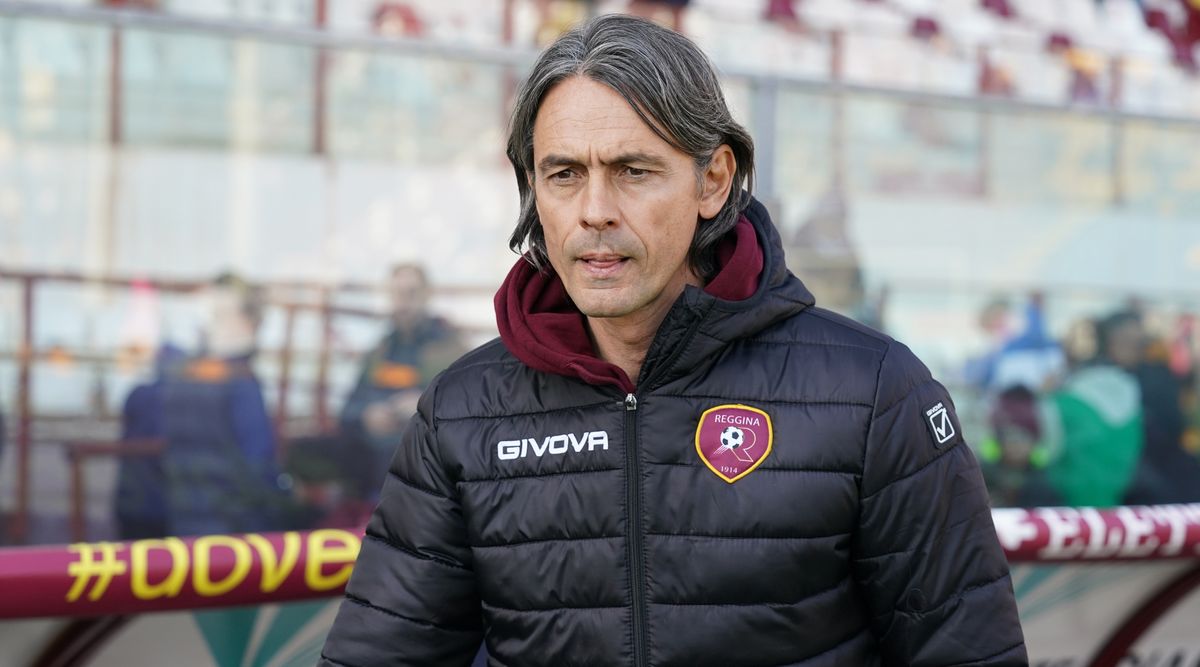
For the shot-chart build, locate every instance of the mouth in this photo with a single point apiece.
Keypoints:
(602, 265)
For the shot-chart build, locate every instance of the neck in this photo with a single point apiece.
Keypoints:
(624, 341)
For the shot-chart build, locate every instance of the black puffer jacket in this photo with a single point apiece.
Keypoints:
(860, 539)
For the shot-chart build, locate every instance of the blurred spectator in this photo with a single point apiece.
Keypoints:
(1166, 472)
(1079, 343)
(220, 453)
(995, 80)
(1191, 26)
(1085, 72)
(398, 369)
(783, 13)
(995, 321)
(1013, 459)
(1183, 362)
(1001, 8)
(1183, 348)
(652, 9)
(1092, 426)
(1032, 358)
(397, 19)
(556, 17)
(141, 496)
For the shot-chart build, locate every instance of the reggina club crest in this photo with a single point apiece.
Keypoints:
(733, 439)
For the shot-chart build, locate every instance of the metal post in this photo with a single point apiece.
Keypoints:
(20, 527)
(322, 390)
(983, 174)
(320, 21)
(78, 524)
(285, 369)
(115, 91)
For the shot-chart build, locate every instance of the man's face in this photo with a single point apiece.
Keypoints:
(1125, 344)
(619, 206)
(409, 296)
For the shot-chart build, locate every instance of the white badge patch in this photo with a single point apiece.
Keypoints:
(940, 423)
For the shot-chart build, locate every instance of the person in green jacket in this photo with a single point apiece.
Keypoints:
(1093, 423)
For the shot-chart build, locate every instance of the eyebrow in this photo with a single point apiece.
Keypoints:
(649, 159)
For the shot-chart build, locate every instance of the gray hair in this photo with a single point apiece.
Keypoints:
(671, 85)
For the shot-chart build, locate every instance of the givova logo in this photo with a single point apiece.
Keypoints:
(508, 450)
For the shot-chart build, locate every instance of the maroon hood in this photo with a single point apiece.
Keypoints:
(540, 326)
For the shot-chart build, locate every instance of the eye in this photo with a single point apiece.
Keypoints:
(563, 175)
(634, 172)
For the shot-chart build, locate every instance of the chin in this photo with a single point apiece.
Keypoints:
(605, 308)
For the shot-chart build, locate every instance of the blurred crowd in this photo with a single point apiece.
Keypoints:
(202, 455)
(1106, 414)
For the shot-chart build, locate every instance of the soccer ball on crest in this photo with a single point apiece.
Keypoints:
(732, 437)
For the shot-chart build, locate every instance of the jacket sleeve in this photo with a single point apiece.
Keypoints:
(412, 598)
(926, 555)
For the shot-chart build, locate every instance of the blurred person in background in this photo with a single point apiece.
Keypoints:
(555, 17)
(1031, 358)
(141, 496)
(1014, 457)
(654, 9)
(1093, 424)
(995, 324)
(395, 372)
(220, 465)
(783, 13)
(1185, 349)
(587, 489)
(1166, 471)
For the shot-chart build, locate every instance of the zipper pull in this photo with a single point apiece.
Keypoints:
(630, 402)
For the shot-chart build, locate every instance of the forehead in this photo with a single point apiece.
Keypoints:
(584, 118)
(407, 278)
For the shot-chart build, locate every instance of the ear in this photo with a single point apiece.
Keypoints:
(717, 181)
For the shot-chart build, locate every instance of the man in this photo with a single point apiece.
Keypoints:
(1092, 430)
(671, 457)
(219, 464)
(397, 370)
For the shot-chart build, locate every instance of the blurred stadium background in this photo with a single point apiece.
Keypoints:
(924, 158)
(935, 166)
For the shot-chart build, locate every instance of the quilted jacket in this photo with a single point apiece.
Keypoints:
(544, 503)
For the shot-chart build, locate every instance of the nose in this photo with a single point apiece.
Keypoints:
(599, 207)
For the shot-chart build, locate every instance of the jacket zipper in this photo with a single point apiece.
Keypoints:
(634, 503)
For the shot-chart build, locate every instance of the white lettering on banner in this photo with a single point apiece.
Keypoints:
(1092, 534)
(737, 420)
(1101, 541)
(1013, 527)
(1176, 521)
(507, 450)
(1139, 534)
(1064, 540)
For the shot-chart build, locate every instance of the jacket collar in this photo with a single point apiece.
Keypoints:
(752, 290)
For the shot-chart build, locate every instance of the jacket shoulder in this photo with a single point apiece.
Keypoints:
(896, 369)
(467, 370)
(490, 382)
